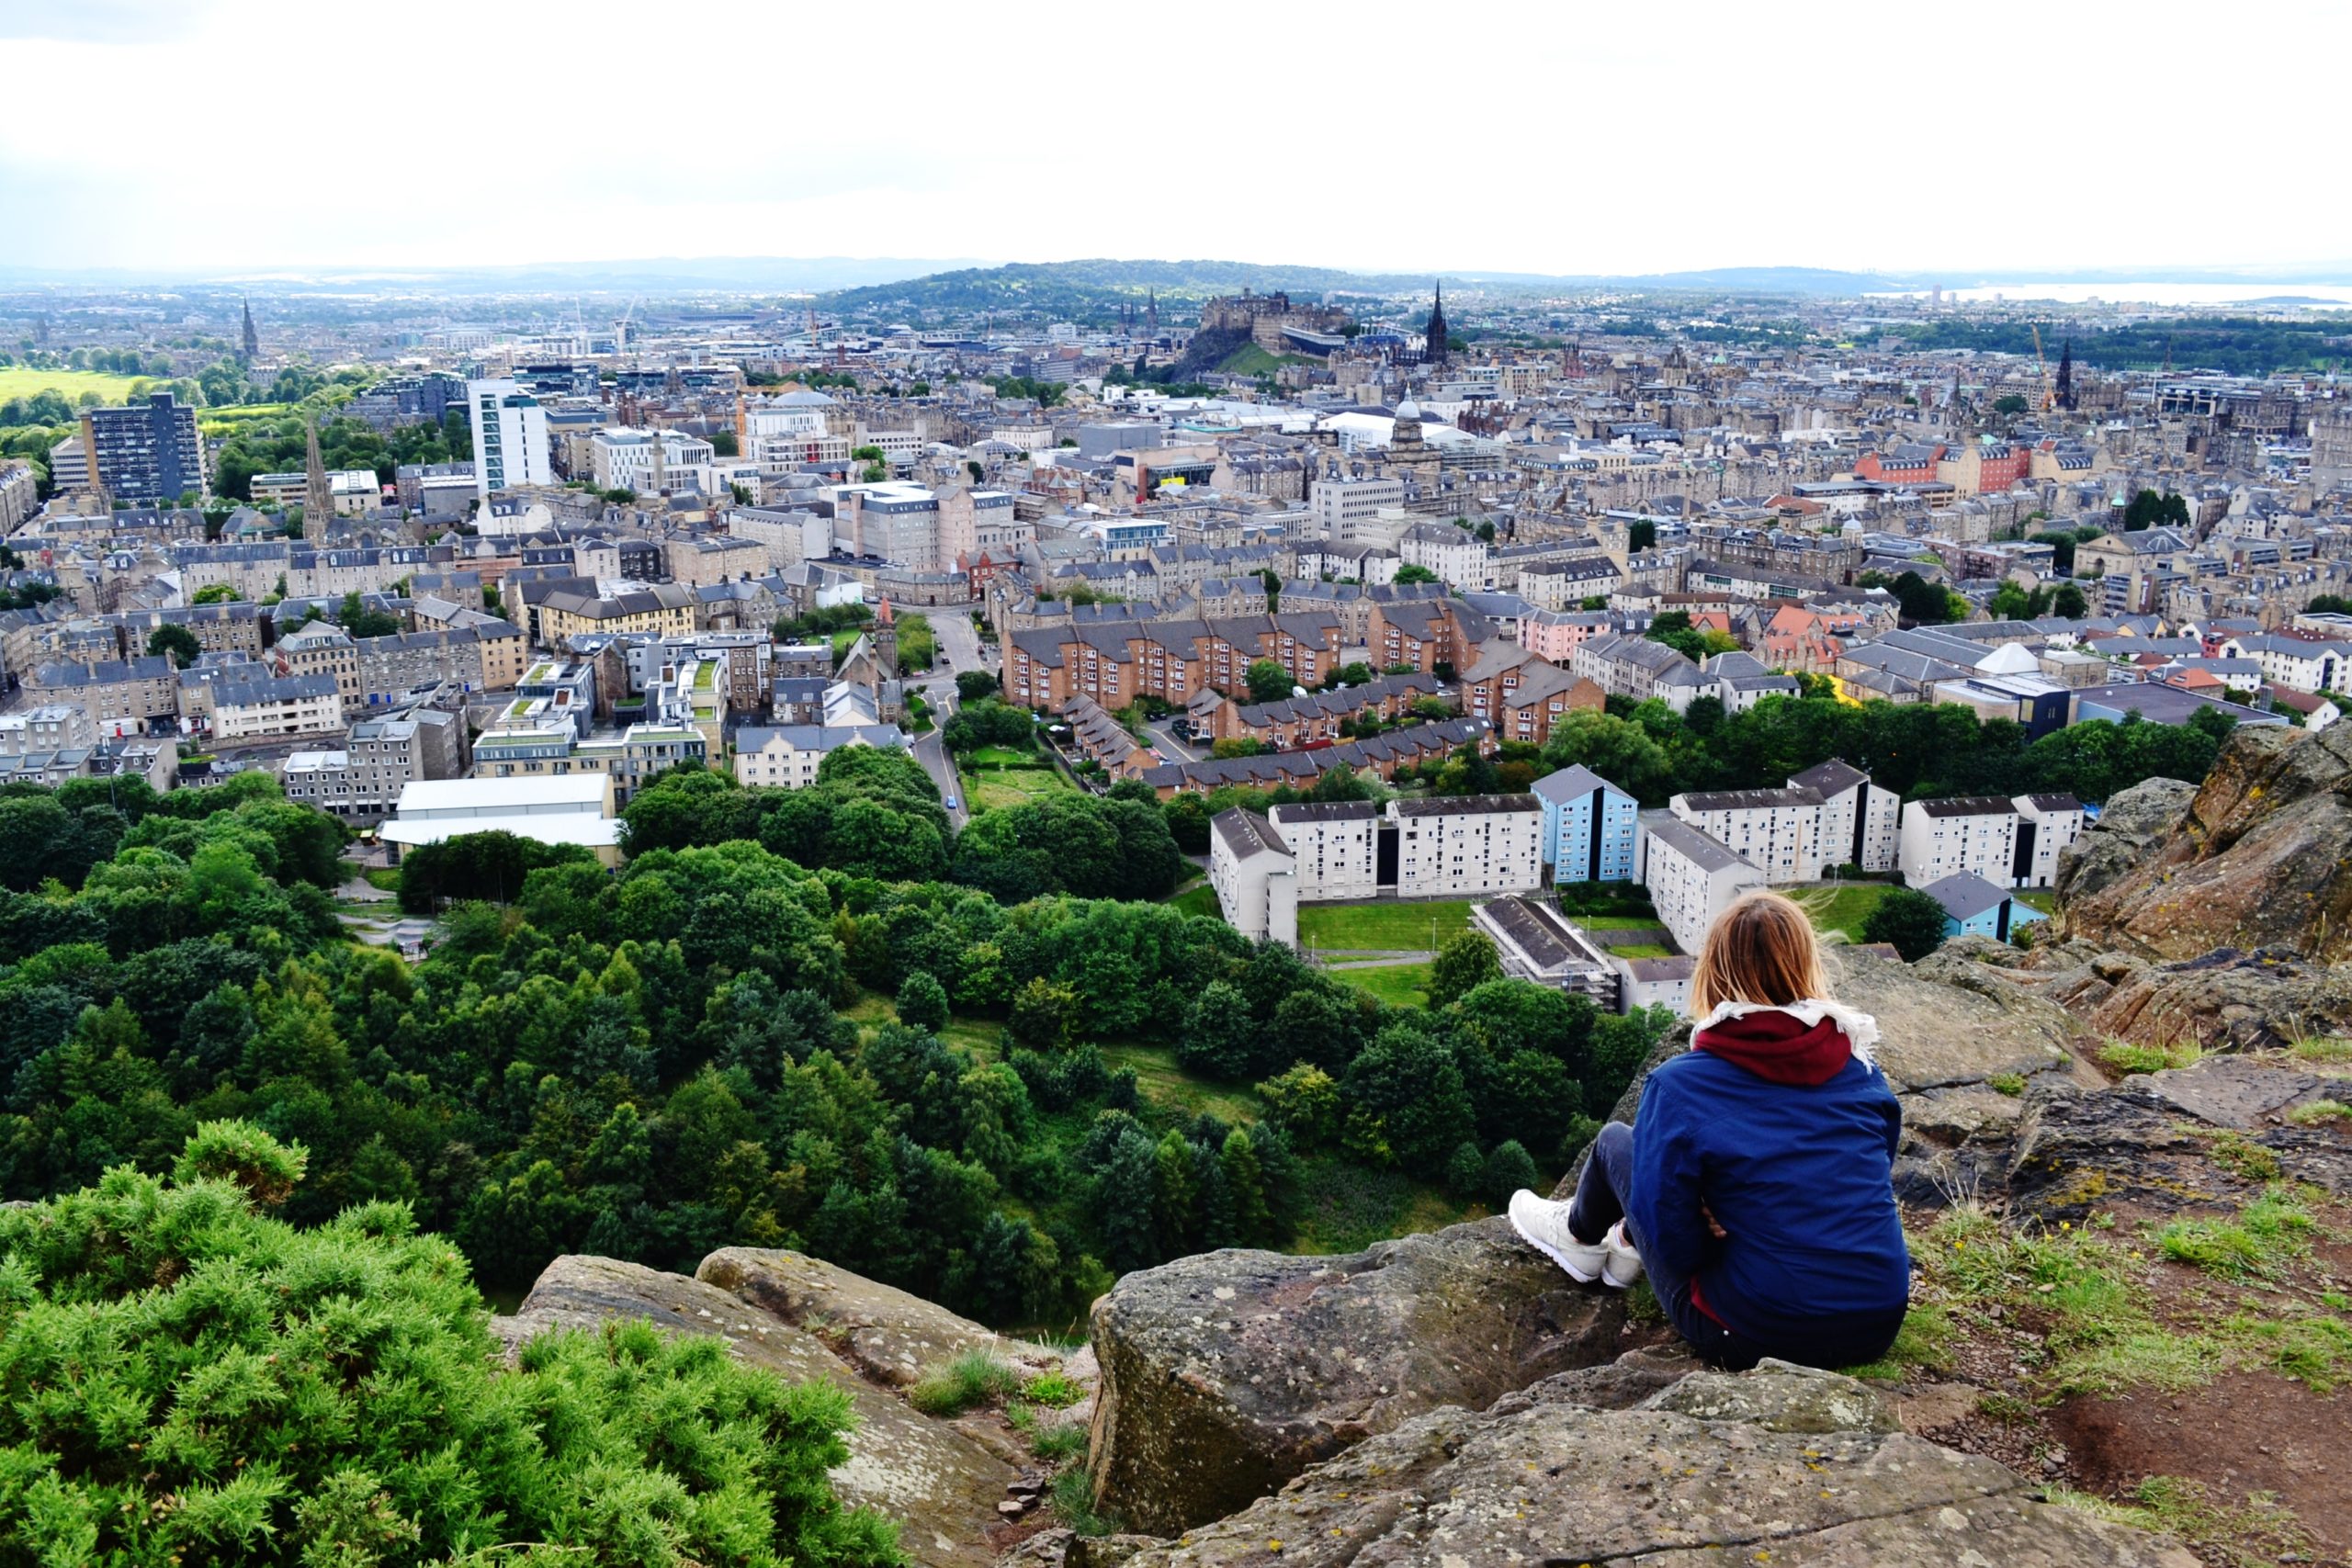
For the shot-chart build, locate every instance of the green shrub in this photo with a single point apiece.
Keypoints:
(973, 1379)
(187, 1380)
(1055, 1389)
(2127, 1058)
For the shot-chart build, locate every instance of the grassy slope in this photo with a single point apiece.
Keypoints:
(1398, 984)
(1844, 908)
(16, 381)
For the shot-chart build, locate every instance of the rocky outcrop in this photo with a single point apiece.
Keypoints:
(941, 1485)
(887, 1335)
(2257, 860)
(1957, 1023)
(1226, 1374)
(2135, 825)
(1782, 1465)
(2149, 1145)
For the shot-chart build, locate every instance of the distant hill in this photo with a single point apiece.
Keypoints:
(1099, 287)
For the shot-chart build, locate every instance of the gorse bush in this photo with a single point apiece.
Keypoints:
(184, 1380)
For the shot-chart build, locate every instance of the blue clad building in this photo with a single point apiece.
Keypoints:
(1588, 827)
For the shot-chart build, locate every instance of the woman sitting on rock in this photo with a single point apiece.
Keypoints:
(1753, 1184)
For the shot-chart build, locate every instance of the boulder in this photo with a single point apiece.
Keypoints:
(2081, 1151)
(1782, 1466)
(940, 1485)
(1949, 1020)
(2235, 1091)
(2257, 860)
(2132, 827)
(887, 1335)
(1226, 1374)
(2223, 1000)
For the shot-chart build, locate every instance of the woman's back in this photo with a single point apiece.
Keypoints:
(1797, 1177)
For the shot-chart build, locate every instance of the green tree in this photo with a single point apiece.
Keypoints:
(1909, 919)
(2068, 602)
(215, 593)
(1221, 1034)
(1268, 681)
(972, 685)
(1405, 1102)
(1414, 573)
(175, 641)
(1465, 962)
(923, 1002)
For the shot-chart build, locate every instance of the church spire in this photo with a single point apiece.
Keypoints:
(2065, 388)
(317, 494)
(1437, 335)
(253, 338)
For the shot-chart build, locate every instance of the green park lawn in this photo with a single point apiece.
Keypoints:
(1003, 757)
(1198, 899)
(1397, 926)
(1841, 908)
(2042, 898)
(16, 381)
(998, 787)
(1615, 922)
(1641, 950)
(1398, 985)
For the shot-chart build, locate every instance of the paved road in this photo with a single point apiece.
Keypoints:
(951, 629)
(1164, 741)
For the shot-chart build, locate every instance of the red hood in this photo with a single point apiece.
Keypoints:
(1778, 1048)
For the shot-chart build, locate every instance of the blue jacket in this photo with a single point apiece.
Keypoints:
(1799, 1177)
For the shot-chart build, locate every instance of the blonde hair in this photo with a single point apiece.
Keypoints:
(1762, 949)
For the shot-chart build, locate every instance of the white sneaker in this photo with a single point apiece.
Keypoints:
(1624, 1265)
(1543, 1223)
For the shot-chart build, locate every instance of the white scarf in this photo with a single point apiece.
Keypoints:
(1861, 1029)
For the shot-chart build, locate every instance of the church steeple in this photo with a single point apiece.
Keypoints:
(2065, 388)
(318, 493)
(253, 338)
(1436, 353)
(1151, 312)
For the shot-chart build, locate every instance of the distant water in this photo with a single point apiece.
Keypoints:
(2318, 296)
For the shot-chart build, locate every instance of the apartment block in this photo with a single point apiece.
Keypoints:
(1689, 876)
(1776, 831)
(2046, 825)
(1589, 827)
(1459, 846)
(361, 780)
(1965, 833)
(1860, 820)
(786, 756)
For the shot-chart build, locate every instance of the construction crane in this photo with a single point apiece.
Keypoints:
(620, 328)
(2041, 372)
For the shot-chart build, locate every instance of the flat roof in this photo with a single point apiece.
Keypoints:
(496, 795)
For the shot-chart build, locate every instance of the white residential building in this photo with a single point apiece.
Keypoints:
(1468, 846)
(1776, 831)
(2295, 664)
(2046, 825)
(1973, 833)
(1335, 846)
(1255, 876)
(1861, 822)
(287, 705)
(1456, 847)
(1461, 559)
(510, 438)
(52, 727)
(1691, 877)
(787, 756)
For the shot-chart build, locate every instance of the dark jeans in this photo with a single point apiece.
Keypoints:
(1600, 1203)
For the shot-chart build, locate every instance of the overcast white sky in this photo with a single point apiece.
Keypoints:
(195, 135)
